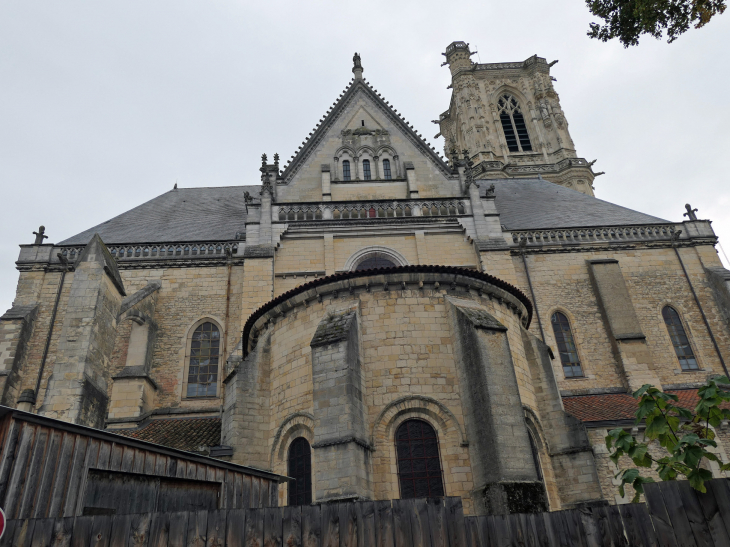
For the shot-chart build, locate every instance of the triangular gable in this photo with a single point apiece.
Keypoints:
(335, 112)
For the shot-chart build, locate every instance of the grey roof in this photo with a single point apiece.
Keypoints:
(205, 214)
(184, 214)
(525, 204)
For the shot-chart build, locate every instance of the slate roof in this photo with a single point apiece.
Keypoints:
(617, 406)
(189, 434)
(525, 204)
(218, 213)
(184, 214)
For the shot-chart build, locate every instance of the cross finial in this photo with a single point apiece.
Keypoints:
(40, 235)
(690, 212)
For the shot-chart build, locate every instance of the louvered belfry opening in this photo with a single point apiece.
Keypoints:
(419, 466)
(513, 124)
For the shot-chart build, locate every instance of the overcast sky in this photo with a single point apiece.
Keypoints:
(106, 104)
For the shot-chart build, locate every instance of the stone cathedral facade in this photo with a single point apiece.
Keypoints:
(377, 321)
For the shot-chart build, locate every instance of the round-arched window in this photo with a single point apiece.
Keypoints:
(203, 364)
(375, 261)
(300, 469)
(419, 466)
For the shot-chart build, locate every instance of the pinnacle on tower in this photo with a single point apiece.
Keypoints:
(357, 68)
(458, 57)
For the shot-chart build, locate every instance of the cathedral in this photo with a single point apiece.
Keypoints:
(377, 320)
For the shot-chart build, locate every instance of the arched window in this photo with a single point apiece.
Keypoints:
(300, 469)
(346, 170)
(386, 170)
(366, 169)
(681, 344)
(513, 124)
(419, 467)
(375, 261)
(535, 456)
(566, 346)
(203, 365)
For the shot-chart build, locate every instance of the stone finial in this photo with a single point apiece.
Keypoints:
(357, 66)
(264, 159)
(40, 235)
(689, 214)
(276, 161)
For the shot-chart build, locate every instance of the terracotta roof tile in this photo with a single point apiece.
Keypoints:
(190, 434)
(617, 406)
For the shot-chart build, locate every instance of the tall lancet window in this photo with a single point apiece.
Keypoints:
(386, 170)
(566, 346)
(419, 466)
(203, 366)
(680, 341)
(346, 170)
(366, 169)
(300, 469)
(513, 124)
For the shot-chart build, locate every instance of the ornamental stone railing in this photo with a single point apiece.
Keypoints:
(161, 250)
(655, 232)
(333, 210)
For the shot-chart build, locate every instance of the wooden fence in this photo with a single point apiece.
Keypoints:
(674, 516)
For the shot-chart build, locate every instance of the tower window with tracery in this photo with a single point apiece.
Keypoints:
(203, 366)
(513, 124)
(680, 341)
(566, 346)
(386, 170)
(366, 169)
(346, 170)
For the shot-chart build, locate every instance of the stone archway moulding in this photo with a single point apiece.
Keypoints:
(363, 253)
(290, 423)
(412, 403)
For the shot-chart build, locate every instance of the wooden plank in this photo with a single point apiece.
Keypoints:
(695, 515)
(384, 524)
(159, 530)
(486, 530)
(264, 493)
(7, 539)
(245, 492)
(601, 526)
(254, 535)
(559, 527)
(675, 511)
(121, 527)
(454, 511)
(201, 472)
(473, 532)
(720, 489)
(77, 475)
(216, 532)
(235, 527)
(659, 516)
(7, 456)
(527, 521)
(542, 532)
(291, 532)
(150, 459)
(349, 524)
(717, 494)
(116, 455)
(255, 489)
(590, 528)
(517, 533)
(178, 530)
(81, 535)
(29, 485)
(642, 518)
(368, 534)
(45, 483)
(63, 528)
(631, 526)
(273, 494)
(402, 510)
(42, 533)
(616, 526)
(197, 527)
(419, 523)
(272, 527)
(23, 533)
(161, 463)
(101, 529)
(437, 521)
(311, 526)
(63, 473)
(105, 451)
(139, 530)
(502, 536)
(138, 465)
(330, 525)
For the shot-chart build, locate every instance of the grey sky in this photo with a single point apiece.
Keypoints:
(104, 105)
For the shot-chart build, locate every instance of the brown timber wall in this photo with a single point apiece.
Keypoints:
(675, 515)
(52, 469)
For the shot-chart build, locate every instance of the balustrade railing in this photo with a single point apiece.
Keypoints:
(588, 235)
(373, 209)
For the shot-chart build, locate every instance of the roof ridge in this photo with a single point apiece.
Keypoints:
(333, 113)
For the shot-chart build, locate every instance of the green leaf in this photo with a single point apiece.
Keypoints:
(657, 426)
(697, 478)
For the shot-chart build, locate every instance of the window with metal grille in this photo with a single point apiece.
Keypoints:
(419, 466)
(386, 170)
(566, 346)
(366, 169)
(375, 261)
(513, 124)
(203, 367)
(300, 469)
(681, 344)
(346, 170)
